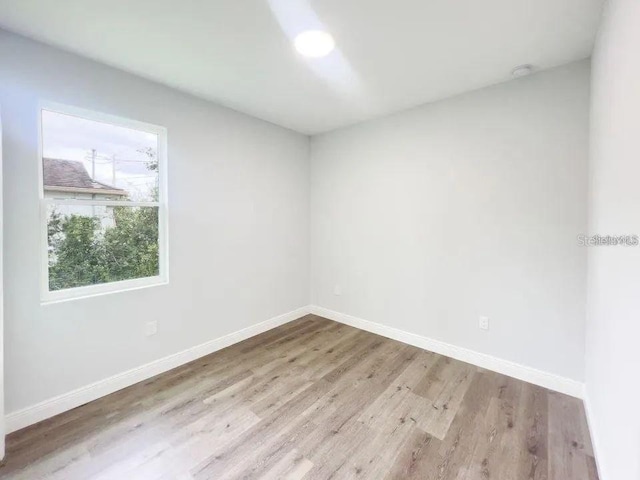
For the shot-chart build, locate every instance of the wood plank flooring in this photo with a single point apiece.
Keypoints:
(314, 399)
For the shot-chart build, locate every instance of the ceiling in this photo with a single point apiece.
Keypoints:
(391, 54)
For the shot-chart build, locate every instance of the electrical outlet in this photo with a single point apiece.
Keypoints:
(337, 290)
(483, 323)
(151, 328)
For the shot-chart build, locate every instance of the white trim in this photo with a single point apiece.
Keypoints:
(506, 367)
(2, 375)
(91, 291)
(595, 444)
(90, 202)
(67, 401)
(101, 117)
(92, 191)
(54, 406)
(47, 296)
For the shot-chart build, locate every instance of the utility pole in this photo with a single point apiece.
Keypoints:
(93, 177)
(93, 164)
(113, 171)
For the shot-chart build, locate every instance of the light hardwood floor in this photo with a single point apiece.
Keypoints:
(314, 399)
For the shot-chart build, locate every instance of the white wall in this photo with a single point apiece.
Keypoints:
(239, 227)
(470, 206)
(613, 326)
(2, 423)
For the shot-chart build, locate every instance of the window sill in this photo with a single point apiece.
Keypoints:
(80, 293)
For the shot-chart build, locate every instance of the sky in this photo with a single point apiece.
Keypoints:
(69, 137)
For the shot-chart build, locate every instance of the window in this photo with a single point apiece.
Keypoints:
(103, 203)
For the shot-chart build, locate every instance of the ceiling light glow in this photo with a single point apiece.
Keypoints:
(314, 43)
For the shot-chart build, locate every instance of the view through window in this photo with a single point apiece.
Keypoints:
(102, 195)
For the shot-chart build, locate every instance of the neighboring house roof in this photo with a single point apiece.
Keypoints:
(71, 176)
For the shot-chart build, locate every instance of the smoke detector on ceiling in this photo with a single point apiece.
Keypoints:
(522, 71)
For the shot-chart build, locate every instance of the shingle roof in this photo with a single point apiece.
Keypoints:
(72, 174)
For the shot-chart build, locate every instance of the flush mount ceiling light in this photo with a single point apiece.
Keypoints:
(522, 71)
(314, 43)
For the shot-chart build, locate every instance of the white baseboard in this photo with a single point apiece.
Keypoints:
(511, 369)
(54, 406)
(594, 437)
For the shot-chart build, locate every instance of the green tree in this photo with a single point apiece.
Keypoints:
(75, 252)
(82, 252)
(131, 247)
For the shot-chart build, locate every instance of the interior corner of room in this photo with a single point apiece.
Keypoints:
(296, 243)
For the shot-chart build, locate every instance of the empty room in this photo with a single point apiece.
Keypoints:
(320, 239)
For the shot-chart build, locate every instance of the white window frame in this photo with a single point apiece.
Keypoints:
(48, 296)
